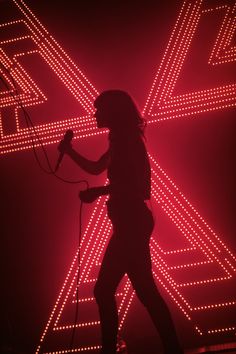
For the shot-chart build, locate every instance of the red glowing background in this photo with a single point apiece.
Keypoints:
(188, 97)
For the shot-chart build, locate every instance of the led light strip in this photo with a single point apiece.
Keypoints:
(83, 349)
(161, 104)
(220, 330)
(74, 80)
(230, 303)
(222, 53)
(188, 208)
(163, 189)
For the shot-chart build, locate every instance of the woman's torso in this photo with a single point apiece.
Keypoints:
(129, 169)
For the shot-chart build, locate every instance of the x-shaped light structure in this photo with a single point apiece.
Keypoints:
(202, 263)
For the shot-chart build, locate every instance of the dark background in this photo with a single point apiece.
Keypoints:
(117, 44)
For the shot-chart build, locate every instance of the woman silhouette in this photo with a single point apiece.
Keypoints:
(129, 175)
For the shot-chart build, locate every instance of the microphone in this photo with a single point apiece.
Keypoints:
(66, 140)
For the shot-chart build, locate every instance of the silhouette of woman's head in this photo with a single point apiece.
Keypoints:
(116, 110)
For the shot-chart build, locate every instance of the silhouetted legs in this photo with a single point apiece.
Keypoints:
(111, 272)
(128, 252)
(150, 297)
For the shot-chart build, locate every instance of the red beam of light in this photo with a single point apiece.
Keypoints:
(211, 253)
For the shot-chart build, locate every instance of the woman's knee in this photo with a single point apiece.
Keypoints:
(97, 292)
(102, 293)
(149, 295)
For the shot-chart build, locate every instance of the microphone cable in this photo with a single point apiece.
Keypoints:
(77, 280)
(33, 132)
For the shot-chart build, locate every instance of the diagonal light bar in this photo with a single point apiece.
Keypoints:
(162, 103)
(66, 70)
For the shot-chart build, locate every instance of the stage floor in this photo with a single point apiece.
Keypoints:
(214, 349)
(220, 348)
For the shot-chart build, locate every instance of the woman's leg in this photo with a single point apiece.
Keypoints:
(140, 274)
(111, 272)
